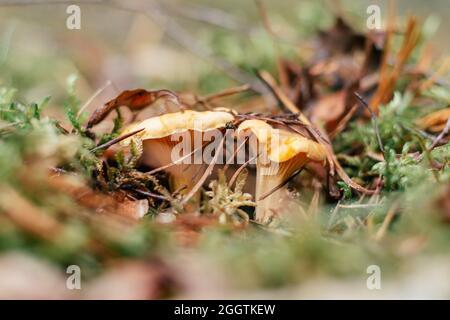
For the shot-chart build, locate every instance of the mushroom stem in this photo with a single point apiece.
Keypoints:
(182, 175)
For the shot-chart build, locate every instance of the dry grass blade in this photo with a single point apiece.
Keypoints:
(280, 95)
(180, 160)
(229, 161)
(224, 93)
(239, 170)
(116, 140)
(151, 194)
(343, 122)
(281, 185)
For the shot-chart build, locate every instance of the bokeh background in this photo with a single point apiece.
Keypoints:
(200, 47)
(132, 44)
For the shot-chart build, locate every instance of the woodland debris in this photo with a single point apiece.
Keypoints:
(135, 100)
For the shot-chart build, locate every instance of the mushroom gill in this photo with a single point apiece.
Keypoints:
(280, 153)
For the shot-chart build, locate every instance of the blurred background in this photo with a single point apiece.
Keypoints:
(182, 45)
(202, 47)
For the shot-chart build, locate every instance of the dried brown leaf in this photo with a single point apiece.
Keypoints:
(135, 100)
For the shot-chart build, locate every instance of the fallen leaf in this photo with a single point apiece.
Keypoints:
(135, 100)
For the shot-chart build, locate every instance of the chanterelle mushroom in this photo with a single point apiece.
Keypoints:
(171, 137)
(279, 154)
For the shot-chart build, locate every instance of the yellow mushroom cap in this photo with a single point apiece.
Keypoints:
(172, 123)
(282, 145)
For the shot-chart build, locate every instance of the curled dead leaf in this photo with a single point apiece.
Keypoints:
(135, 100)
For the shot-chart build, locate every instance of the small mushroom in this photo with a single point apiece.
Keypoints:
(166, 136)
(280, 153)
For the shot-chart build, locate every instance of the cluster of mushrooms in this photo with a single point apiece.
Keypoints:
(275, 162)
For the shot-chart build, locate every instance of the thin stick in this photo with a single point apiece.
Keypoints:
(116, 140)
(296, 173)
(177, 161)
(280, 95)
(151, 194)
(313, 206)
(238, 171)
(209, 15)
(359, 206)
(227, 164)
(374, 120)
(343, 122)
(225, 93)
(208, 171)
